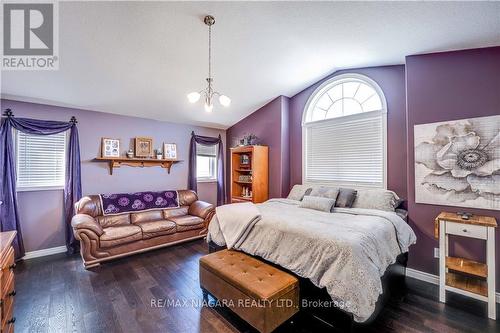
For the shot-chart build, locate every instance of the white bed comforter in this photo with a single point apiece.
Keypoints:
(346, 251)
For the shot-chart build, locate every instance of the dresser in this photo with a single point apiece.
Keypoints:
(7, 287)
(460, 275)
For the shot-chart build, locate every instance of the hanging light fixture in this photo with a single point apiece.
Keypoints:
(209, 93)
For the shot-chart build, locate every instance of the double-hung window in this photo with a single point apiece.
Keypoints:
(206, 163)
(344, 134)
(40, 161)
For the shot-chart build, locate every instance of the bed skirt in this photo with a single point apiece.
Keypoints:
(393, 284)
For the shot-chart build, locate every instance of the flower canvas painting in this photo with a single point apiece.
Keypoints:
(457, 163)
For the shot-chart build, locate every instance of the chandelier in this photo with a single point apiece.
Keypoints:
(209, 93)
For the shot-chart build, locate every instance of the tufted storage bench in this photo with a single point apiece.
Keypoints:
(261, 294)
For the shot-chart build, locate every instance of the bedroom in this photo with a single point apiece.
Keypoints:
(384, 124)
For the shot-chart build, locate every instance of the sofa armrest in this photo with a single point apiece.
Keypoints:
(84, 221)
(201, 209)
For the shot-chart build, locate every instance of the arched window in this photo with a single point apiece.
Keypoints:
(344, 133)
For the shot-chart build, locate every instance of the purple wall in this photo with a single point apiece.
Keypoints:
(440, 87)
(285, 146)
(392, 81)
(270, 124)
(41, 212)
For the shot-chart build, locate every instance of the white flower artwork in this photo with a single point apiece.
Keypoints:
(457, 163)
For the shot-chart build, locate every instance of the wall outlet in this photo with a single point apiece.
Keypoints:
(436, 252)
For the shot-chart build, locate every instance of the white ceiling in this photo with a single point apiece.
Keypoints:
(141, 58)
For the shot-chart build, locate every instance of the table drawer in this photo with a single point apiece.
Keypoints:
(467, 230)
(7, 268)
(9, 328)
(8, 260)
(8, 303)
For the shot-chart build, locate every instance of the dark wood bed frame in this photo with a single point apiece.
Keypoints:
(393, 284)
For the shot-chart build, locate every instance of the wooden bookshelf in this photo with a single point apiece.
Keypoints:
(257, 168)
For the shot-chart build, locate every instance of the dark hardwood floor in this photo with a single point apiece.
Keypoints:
(55, 294)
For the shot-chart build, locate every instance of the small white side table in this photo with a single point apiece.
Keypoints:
(460, 275)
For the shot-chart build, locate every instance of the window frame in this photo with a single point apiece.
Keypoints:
(32, 188)
(309, 107)
(212, 179)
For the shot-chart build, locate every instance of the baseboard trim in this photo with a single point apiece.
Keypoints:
(44, 252)
(431, 278)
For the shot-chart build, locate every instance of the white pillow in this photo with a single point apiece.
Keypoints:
(325, 192)
(317, 203)
(377, 199)
(298, 191)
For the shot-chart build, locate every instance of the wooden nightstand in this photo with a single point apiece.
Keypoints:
(460, 275)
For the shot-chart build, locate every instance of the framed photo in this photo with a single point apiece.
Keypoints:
(143, 147)
(170, 150)
(110, 147)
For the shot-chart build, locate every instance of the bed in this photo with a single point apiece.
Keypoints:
(346, 257)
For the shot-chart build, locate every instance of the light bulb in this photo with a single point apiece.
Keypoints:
(193, 97)
(209, 107)
(224, 100)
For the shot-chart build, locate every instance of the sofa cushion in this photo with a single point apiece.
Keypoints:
(201, 209)
(150, 215)
(119, 235)
(187, 197)
(156, 228)
(113, 220)
(187, 222)
(175, 212)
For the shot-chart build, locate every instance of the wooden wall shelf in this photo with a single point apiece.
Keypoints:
(136, 162)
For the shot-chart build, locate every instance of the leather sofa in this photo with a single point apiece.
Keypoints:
(108, 237)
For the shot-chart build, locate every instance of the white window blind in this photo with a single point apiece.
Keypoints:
(344, 133)
(206, 162)
(210, 151)
(346, 150)
(41, 160)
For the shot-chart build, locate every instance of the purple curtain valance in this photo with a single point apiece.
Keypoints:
(9, 217)
(207, 141)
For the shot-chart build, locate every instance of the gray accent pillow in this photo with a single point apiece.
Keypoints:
(377, 199)
(325, 192)
(402, 213)
(298, 192)
(346, 197)
(317, 203)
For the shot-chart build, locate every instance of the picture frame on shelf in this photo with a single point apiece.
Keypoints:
(170, 151)
(143, 147)
(110, 147)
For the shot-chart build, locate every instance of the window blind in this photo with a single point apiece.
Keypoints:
(41, 160)
(209, 151)
(347, 150)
